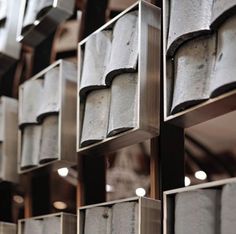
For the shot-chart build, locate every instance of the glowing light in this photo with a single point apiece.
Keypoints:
(187, 181)
(63, 172)
(201, 175)
(36, 22)
(18, 199)
(60, 205)
(109, 188)
(140, 192)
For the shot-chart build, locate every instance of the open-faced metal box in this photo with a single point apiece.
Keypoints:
(66, 116)
(169, 201)
(67, 222)
(149, 214)
(190, 25)
(148, 97)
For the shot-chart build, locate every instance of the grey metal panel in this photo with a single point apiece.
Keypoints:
(194, 63)
(60, 11)
(225, 69)
(9, 46)
(221, 10)
(188, 19)
(169, 200)
(9, 145)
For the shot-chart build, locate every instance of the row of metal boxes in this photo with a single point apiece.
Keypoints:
(48, 100)
(135, 215)
(207, 207)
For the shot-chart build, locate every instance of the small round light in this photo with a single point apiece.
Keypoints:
(187, 181)
(60, 205)
(18, 199)
(140, 192)
(36, 22)
(63, 172)
(201, 175)
(109, 188)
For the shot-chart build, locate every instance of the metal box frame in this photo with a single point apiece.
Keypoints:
(169, 204)
(61, 10)
(8, 226)
(9, 144)
(66, 114)
(149, 214)
(68, 222)
(149, 37)
(199, 113)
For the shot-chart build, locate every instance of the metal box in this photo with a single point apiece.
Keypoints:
(8, 139)
(67, 222)
(206, 110)
(66, 116)
(148, 97)
(7, 228)
(149, 214)
(169, 201)
(47, 24)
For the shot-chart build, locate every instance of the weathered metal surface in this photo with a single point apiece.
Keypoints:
(96, 57)
(124, 51)
(8, 141)
(49, 149)
(124, 103)
(225, 69)
(188, 19)
(98, 220)
(31, 138)
(221, 10)
(50, 93)
(40, 20)
(96, 114)
(8, 30)
(228, 218)
(194, 63)
(206, 219)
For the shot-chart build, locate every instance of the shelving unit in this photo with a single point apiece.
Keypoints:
(167, 149)
(172, 132)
